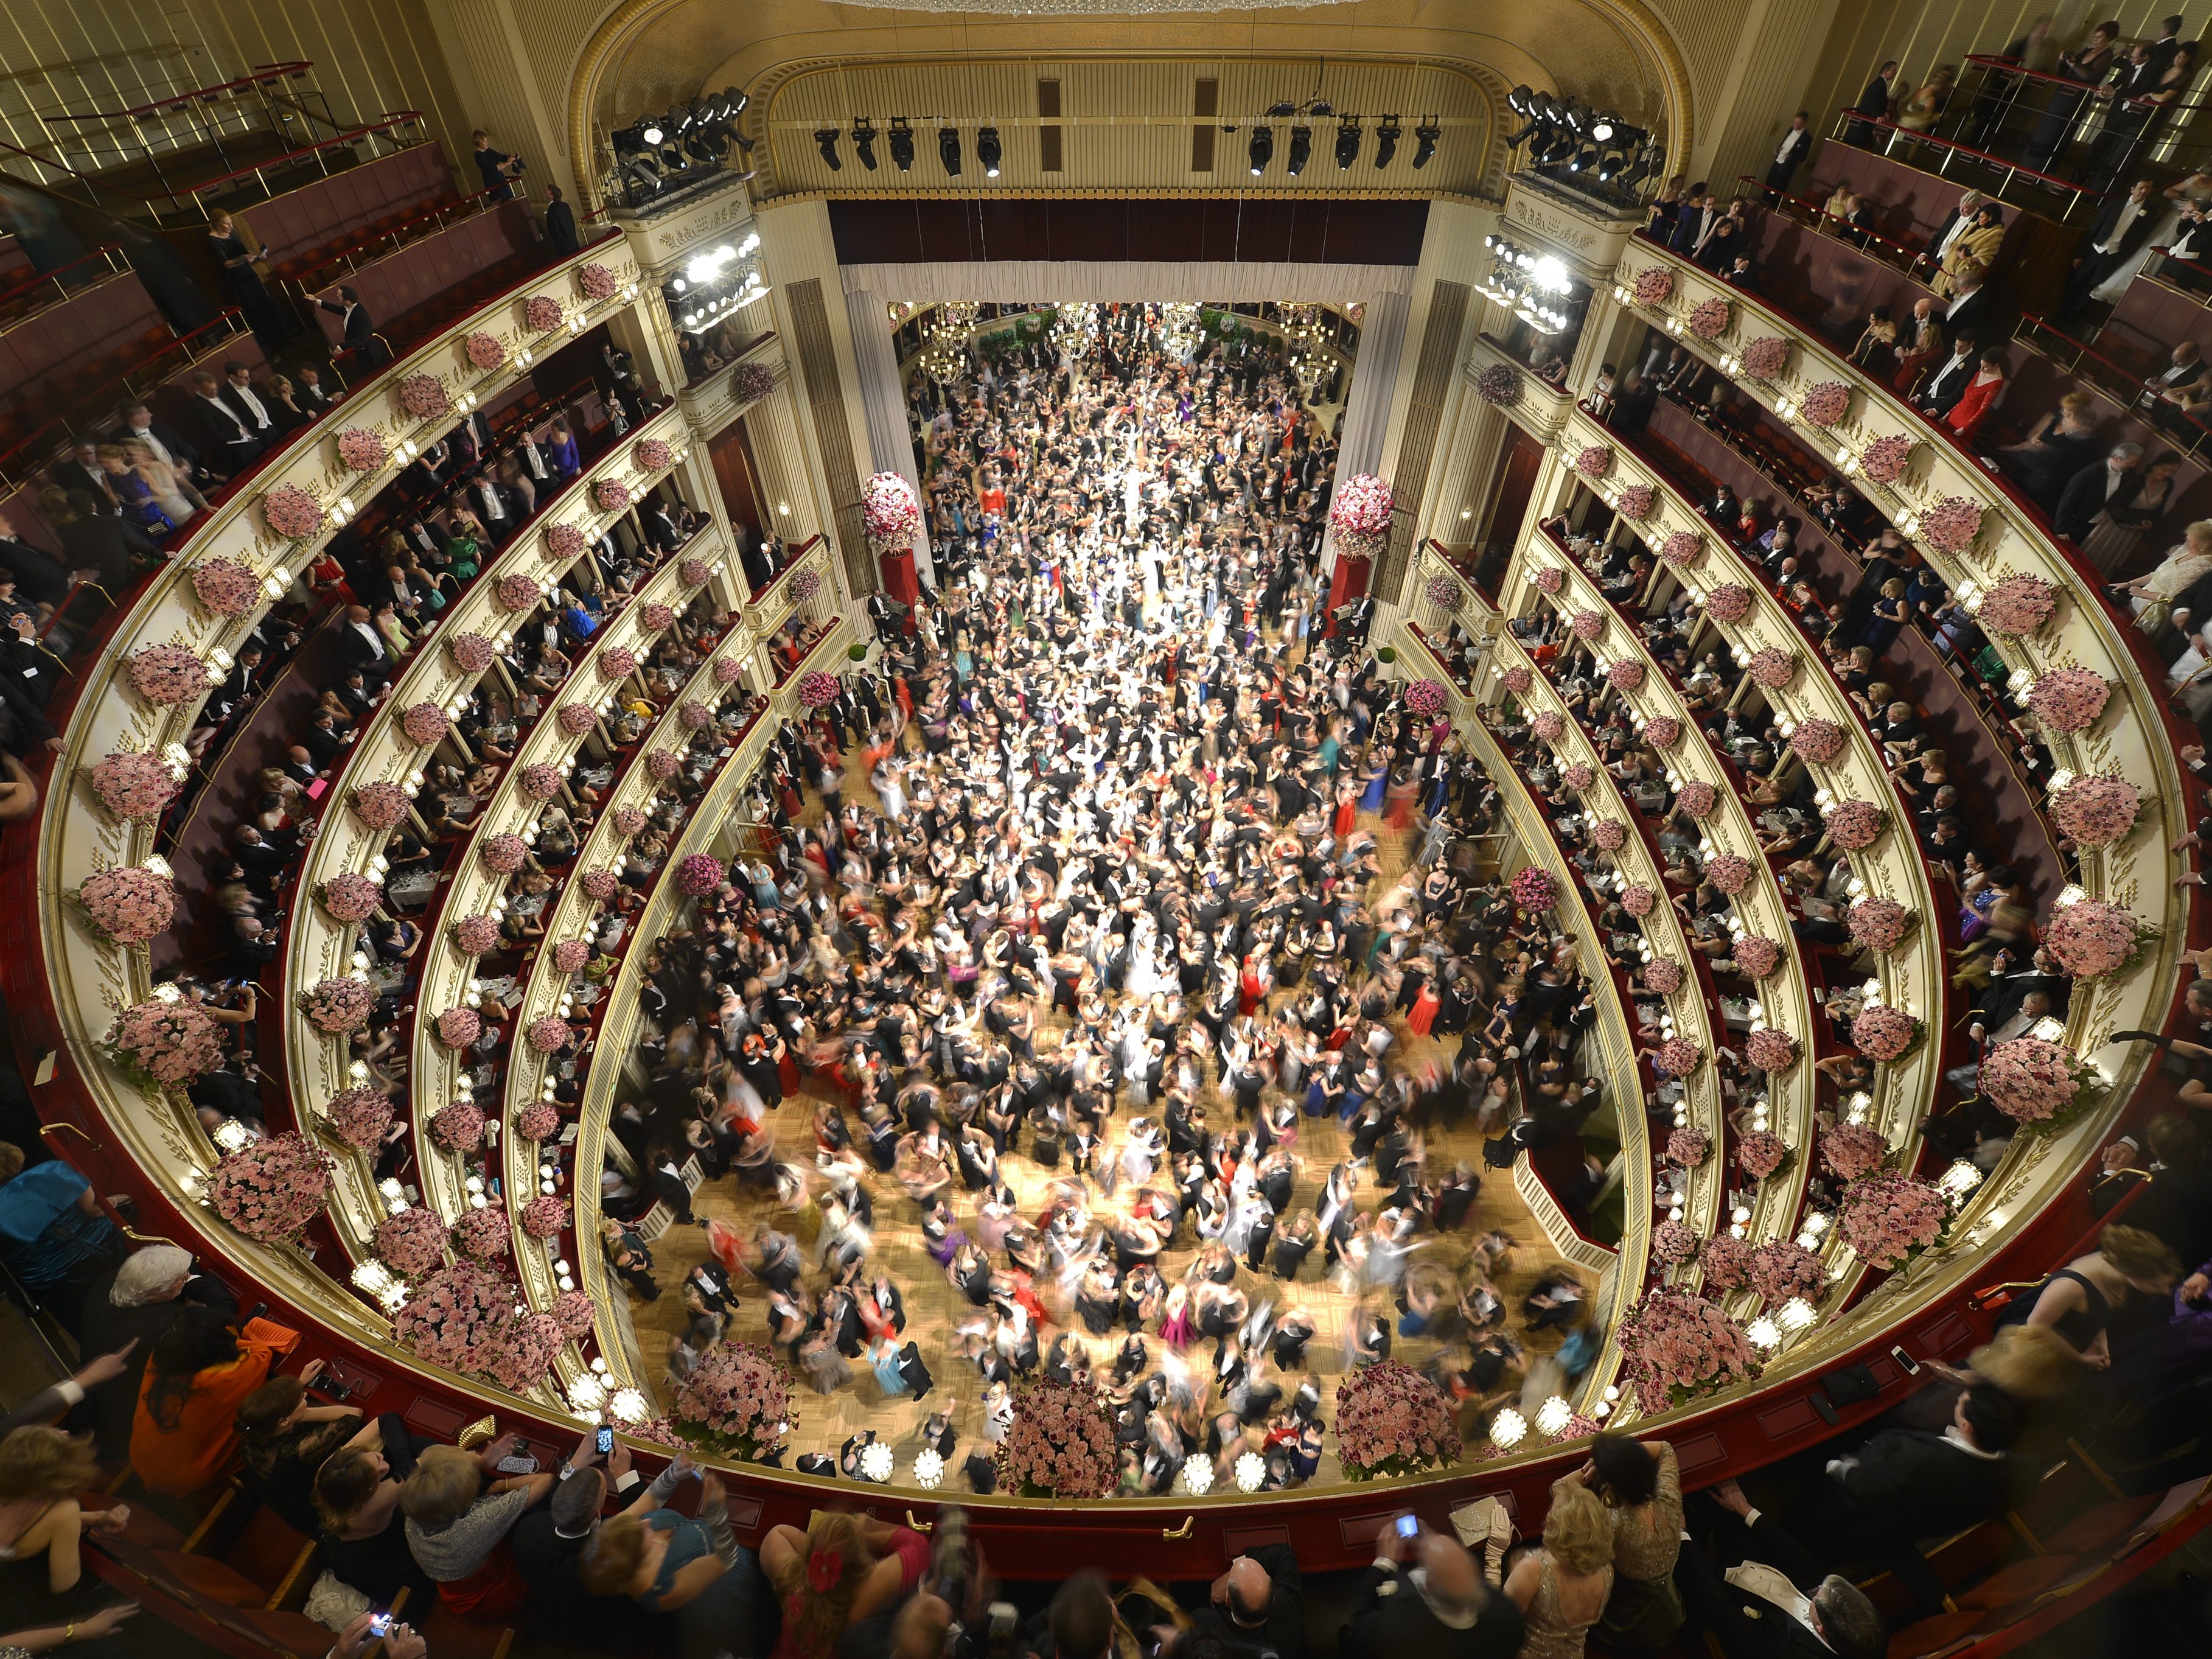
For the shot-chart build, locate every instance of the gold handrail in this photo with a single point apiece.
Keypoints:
(1172, 1534)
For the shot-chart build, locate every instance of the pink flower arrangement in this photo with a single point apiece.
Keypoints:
(2091, 939)
(1637, 900)
(1445, 593)
(699, 874)
(1653, 285)
(1359, 515)
(1878, 924)
(425, 723)
(1726, 1260)
(539, 780)
(1663, 976)
(471, 653)
(1696, 799)
(381, 805)
(134, 784)
(1533, 889)
(485, 350)
(537, 1121)
(617, 662)
(610, 495)
(1426, 698)
(1766, 356)
(161, 1044)
(1887, 1217)
(664, 764)
(1675, 1345)
(1679, 1056)
(542, 313)
(562, 541)
(890, 513)
(1579, 1427)
(412, 1243)
(1852, 1149)
(572, 1311)
(504, 854)
(728, 669)
(291, 511)
(459, 1027)
(2095, 808)
(736, 1401)
(548, 1034)
(1771, 1050)
(1663, 731)
(1817, 742)
(2034, 1082)
(545, 1217)
(166, 674)
(570, 954)
(1061, 1444)
(1771, 667)
(653, 455)
(361, 449)
(1579, 775)
(337, 1006)
(270, 1189)
(1498, 384)
(1673, 1243)
(1784, 1268)
(694, 715)
(1590, 625)
(458, 1127)
(693, 572)
(1625, 675)
(473, 936)
(1637, 502)
(2017, 605)
(1687, 1148)
(1729, 872)
(1547, 724)
(1683, 548)
(423, 396)
(817, 690)
(526, 1357)
(360, 1117)
(1392, 1420)
(597, 282)
(1827, 403)
(2069, 699)
(458, 1316)
(128, 904)
(1730, 602)
(1595, 462)
(1952, 524)
(656, 618)
(1709, 319)
(576, 718)
(1757, 956)
(515, 591)
(1608, 834)
(350, 898)
(1761, 1153)
(627, 820)
(1854, 825)
(600, 884)
(1547, 579)
(751, 382)
(1883, 1033)
(1884, 459)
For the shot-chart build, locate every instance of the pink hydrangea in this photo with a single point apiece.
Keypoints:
(1663, 976)
(129, 904)
(1771, 667)
(576, 718)
(1761, 1153)
(459, 1027)
(570, 955)
(2069, 699)
(1637, 900)
(617, 664)
(545, 1217)
(485, 350)
(1783, 1268)
(1625, 675)
(360, 1117)
(1854, 825)
(411, 1243)
(1728, 872)
(457, 1317)
(423, 396)
(1608, 834)
(1637, 502)
(1771, 1050)
(1879, 924)
(2033, 1081)
(474, 936)
(1883, 1033)
(167, 674)
(1673, 1243)
(1952, 524)
(2091, 939)
(1696, 799)
(699, 874)
(539, 780)
(1663, 731)
(1709, 319)
(1817, 742)
(1679, 1056)
(1533, 889)
(362, 449)
(458, 1127)
(425, 723)
(1757, 956)
(165, 1043)
(471, 653)
(1852, 1149)
(1725, 1260)
(548, 1034)
(610, 495)
(2096, 809)
(1687, 1148)
(1827, 403)
(291, 511)
(1392, 1420)
(542, 313)
(504, 854)
(381, 805)
(336, 1007)
(134, 784)
(1674, 1345)
(1886, 1218)
(270, 1189)
(537, 1121)
(1730, 602)
(350, 897)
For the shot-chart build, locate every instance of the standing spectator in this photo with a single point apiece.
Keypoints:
(2122, 226)
(129, 1308)
(1789, 154)
(1974, 403)
(560, 223)
(52, 1235)
(241, 281)
(42, 1471)
(357, 330)
(1873, 105)
(1641, 1486)
(497, 167)
(1260, 1601)
(2086, 66)
(2099, 491)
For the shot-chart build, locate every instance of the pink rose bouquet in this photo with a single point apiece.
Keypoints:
(1855, 824)
(1878, 924)
(1817, 742)
(270, 1189)
(504, 854)
(542, 313)
(693, 715)
(1392, 1420)
(1883, 1033)
(475, 936)
(459, 1027)
(291, 511)
(1761, 1153)
(1683, 548)
(653, 455)
(471, 653)
(1952, 524)
(1445, 593)
(1637, 900)
(1579, 775)
(1675, 1345)
(161, 1044)
(2069, 699)
(570, 954)
(1679, 1056)
(1061, 1444)
(1535, 889)
(226, 587)
(1359, 515)
(699, 874)
(1757, 956)
(1771, 1050)
(600, 884)
(1726, 1260)
(1608, 834)
(545, 1217)
(1887, 1218)
(457, 1317)
(1637, 502)
(1771, 667)
(381, 805)
(1696, 799)
(458, 1127)
(425, 723)
(1766, 356)
(167, 674)
(539, 780)
(562, 541)
(2037, 1083)
(1547, 579)
(1673, 1243)
(1852, 1149)
(1663, 976)
(485, 350)
(1783, 1268)
(2095, 808)
(664, 764)
(1498, 384)
(693, 572)
(1730, 602)
(610, 495)
(1729, 872)
(1687, 1148)
(336, 1007)
(361, 449)
(350, 897)
(890, 513)
(576, 718)
(572, 1311)
(537, 1121)
(548, 1034)
(1827, 403)
(817, 690)
(1884, 459)
(134, 784)
(128, 904)
(360, 1117)
(525, 1358)
(1595, 462)
(1547, 724)
(2017, 605)
(1654, 283)
(617, 662)
(1709, 319)
(1663, 731)
(728, 669)
(736, 1401)
(411, 1243)
(1426, 698)
(2091, 939)
(655, 617)
(423, 396)
(515, 591)
(1625, 675)
(751, 382)
(597, 282)
(627, 820)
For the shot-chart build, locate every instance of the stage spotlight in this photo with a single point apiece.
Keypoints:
(1603, 128)
(1521, 101)
(1281, 107)
(652, 134)
(1424, 143)
(1532, 130)
(1386, 140)
(1301, 149)
(864, 141)
(826, 139)
(986, 150)
(1584, 157)
(1578, 117)
(948, 150)
(1347, 144)
(1261, 149)
(900, 137)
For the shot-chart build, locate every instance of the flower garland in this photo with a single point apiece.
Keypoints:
(1855, 824)
(291, 511)
(1853, 1150)
(817, 690)
(1625, 675)
(1498, 384)
(338, 1007)
(1888, 1218)
(1060, 1444)
(350, 898)
(2069, 699)
(699, 874)
(1827, 403)
(1663, 731)
(1535, 889)
(1696, 799)
(1766, 356)
(458, 1316)
(1784, 1268)
(425, 723)
(1679, 1057)
(1756, 956)
(381, 805)
(1771, 1050)
(2037, 1083)
(1878, 924)
(1709, 319)
(1817, 742)
(458, 1127)
(597, 282)
(471, 653)
(161, 1044)
(1729, 872)
(1654, 283)
(1675, 1345)
(135, 784)
(1595, 462)
(167, 674)
(548, 1034)
(736, 1402)
(1637, 502)
(545, 1217)
(360, 1117)
(2091, 939)
(459, 1027)
(1359, 515)
(423, 396)
(1884, 459)
(2017, 605)
(1762, 1153)
(1771, 667)
(1392, 1420)
(485, 350)
(1952, 524)
(128, 904)
(542, 313)
(411, 1243)
(270, 1189)
(2095, 808)
(1687, 1148)
(1883, 1033)
(1673, 1243)
(890, 513)
(475, 936)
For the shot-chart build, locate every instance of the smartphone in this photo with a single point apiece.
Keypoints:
(380, 1624)
(606, 1442)
(1407, 1527)
(1912, 1365)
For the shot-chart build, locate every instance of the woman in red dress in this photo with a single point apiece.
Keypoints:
(1347, 809)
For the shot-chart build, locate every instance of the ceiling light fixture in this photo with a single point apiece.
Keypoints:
(825, 140)
(1347, 143)
(1301, 149)
(1387, 133)
(1425, 143)
(948, 150)
(1261, 148)
(986, 150)
(864, 141)
(900, 137)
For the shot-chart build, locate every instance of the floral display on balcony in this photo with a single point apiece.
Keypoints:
(425, 723)
(1535, 889)
(1579, 775)
(1672, 1244)
(1595, 462)
(1676, 1346)
(471, 653)
(381, 805)
(2017, 605)
(1729, 873)
(597, 282)
(1590, 625)
(1709, 319)
(805, 584)
(1696, 799)
(694, 715)
(562, 541)
(1773, 667)
(2095, 808)
(576, 718)
(362, 449)
(350, 897)
(700, 874)
(542, 313)
(537, 1121)
(1625, 675)
(2069, 699)
(1757, 956)
(600, 884)
(1854, 825)
(629, 820)
(1654, 283)
(653, 454)
(1888, 1218)
(135, 784)
(545, 1217)
(485, 350)
(1547, 579)
(890, 513)
(2037, 1083)
(664, 764)
(1766, 356)
(1885, 457)
(167, 674)
(1852, 1149)
(2092, 940)
(360, 1117)
(610, 495)
(515, 591)
(161, 1044)
(570, 954)
(128, 904)
(225, 586)
(817, 690)
(336, 1007)
(292, 513)
(525, 1358)
(539, 780)
(735, 1402)
(1817, 742)
(1783, 1268)
(1726, 1261)
(270, 1189)
(423, 396)
(1952, 524)
(1683, 548)
(1061, 1444)
(656, 618)
(1879, 924)
(1729, 602)
(1637, 900)
(1762, 1153)
(548, 1034)
(1498, 384)
(1661, 975)
(617, 662)
(458, 1127)
(693, 572)
(1663, 731)
(1637, 502)
(1679, 1056)
(1547, 724)
(1359, 515)
(1770, 1050)
(1687, 1148)
(413, 1242)
(1608, 834)
(482, 1233)
(458, 1028)
(572, 1311)
(1826, 404)
(751, 382)
(1393, 1421)
(475, 936)
(457, 1317)
(1883, 1033)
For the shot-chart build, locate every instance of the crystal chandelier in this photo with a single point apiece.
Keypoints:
(945, 356)
(1179, 329)
(1074, 326)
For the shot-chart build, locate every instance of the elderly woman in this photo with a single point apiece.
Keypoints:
(457, 1526)
(52, 1236)
(2152, 593)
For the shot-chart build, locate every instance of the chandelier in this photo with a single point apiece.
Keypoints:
(1074, 326)
(1304, 328)
(1535, 287)
(1178, 328)
(944, 355)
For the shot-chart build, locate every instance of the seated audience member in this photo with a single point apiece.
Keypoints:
(457, 1527)
(1981, 394)
(2058, 445)
(1906, 1484)
(53, 1236)
(1425, 1594)
(362, 1534)
(2080, 1300)
(1260, 1601)
(1762, 1594)
(200, 1371)
(2184, 373)
(288, 1439)
(127, 1309)
(842, 1569)
(665, 1562)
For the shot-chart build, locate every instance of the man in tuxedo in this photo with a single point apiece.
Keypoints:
(139, 426)
(2184, 372)
(1906, 1484)
(34, 576)
(247, 403)
(2122, 226)
(309, 391)
(360, 647)
(1789, 154)
(241, 682)
(357, 330)
(1696, 222)
(212, 427)
(25, 664)
(1970, 303)
(1764, 1595)
(1424, 1596)
(498, 509)
(2113, 483)
(81, 473)
(1960, 221)
(660, 528)
(1873, 105)
(560, 223)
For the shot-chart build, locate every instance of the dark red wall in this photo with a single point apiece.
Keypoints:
(1226, 227)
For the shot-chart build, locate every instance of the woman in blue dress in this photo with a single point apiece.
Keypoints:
(670, 1564)
(1378, 779)
(52, 1232)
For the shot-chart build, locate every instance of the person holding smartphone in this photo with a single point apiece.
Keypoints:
(1425, 1594)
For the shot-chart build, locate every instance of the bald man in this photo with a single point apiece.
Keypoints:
(1425, 1595)
(1259, 1602)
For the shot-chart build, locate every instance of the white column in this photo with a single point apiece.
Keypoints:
(883, 402)
(1374, 381)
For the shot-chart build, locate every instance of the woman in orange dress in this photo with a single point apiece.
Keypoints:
(185, 1435)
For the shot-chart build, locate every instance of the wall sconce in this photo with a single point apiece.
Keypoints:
(1508, 1429)
(2048, 1030)
(1797, 1314)
(1959, 1180)
(2069, 894)
(1198, 1474)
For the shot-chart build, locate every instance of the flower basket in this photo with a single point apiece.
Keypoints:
(1883, 463)
(1852, 1149)
(1683, 548)
(458, 1127)
(1547, 724)
(542, 313)
(737, 1402)
(694, 715)
(563, 542)
(1883, 1033)
(423, 396)
(471, 653)
(291, 511)
(548, 1034)
(817, 690)
(600, 884)
(1663, 731)
(271, 1189)
(1952, 524)
(1625, 675)
(1888, 1218)
(1757, 956)
(360, 1117)
(617, 664)
(1676, 1346)
(1673, 1243)
(1547, 579)
(751, 382)
(1878, 924)
(475, 936)
(1709, 319)
(1498, 384)
(1687, 1148)
(350, 897)
(699, 874)
(1654, 284)
(412, 1243)
(1535, 889)
(1855, 824)
(1638, 901)
(1595, 462)
(1826, 404)
(457, 1317)
(1359, 515)
(133, 784)
(1061, 1444)
(1771, 667)
(459, 1027)
(1445, 593)
(1392, 1420)
(2069, 699)
(485, 350)
(570, 954)
(128, 904)
(1817, 742)
(1766, 356)
(2040, 1085)
(338, 1007)
(515, 592)
(890, 513)
(161, 1044)
(1696, 799)
(1661, 975)
(1725, 1260)
(167, 674)
(539, 780)
(2091, 939)
(653, 455)
(2017, 605)
(545, 1217)
(425, 724)
(1637, 502)
(1762, 1153)
(1771, 1050)
(1784, 1268)
(527, 1354)
(361, 449)
(537, 1121)
(1608, 834)
(627, 820)
(597, 282)
(610, 495)
(1679, 1056)
(1729, 602)
(381, 805)
(2095, 808)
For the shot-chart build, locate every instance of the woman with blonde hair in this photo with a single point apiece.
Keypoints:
(42, 1470)
(457, 1526)
(1561, 1589)
(2077, 1302)
(842, 1569)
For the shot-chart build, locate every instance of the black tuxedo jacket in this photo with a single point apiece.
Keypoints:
(1910, 1483)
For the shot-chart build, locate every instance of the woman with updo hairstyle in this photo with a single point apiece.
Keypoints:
(1641, 1487)
(1561, 1589)
(842, 1569)
(360, 1535)
(2080, 1300)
